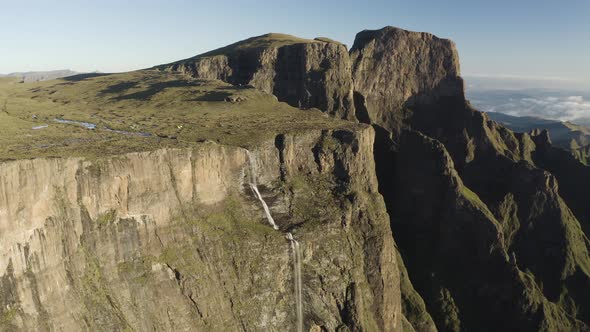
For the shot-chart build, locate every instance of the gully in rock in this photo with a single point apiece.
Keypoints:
(294, 244)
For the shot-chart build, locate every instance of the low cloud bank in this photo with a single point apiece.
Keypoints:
(548, 98)
(556, 108)
(562, 108)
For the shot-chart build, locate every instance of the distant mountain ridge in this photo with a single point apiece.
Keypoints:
(563, 134)
(37, 76)
(294, 69)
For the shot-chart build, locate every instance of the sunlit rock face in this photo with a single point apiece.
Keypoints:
(395, 69)
(175, 239)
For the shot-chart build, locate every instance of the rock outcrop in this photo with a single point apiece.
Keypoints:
(303, 73)
(570, 173)
(394, 69)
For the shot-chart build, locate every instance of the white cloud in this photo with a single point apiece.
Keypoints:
(567, 108)
(521, 77)
(516, 82)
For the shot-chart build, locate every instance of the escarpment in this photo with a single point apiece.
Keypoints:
(407, 84)
(303, 73)
(174, 239)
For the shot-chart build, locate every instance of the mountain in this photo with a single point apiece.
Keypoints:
(566, 135)
(303, 73)
(283, 184)
(468, 205)
(36, 76)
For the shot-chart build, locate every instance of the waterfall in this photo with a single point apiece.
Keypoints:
(294, 244)
(254, 187)
(298, 283)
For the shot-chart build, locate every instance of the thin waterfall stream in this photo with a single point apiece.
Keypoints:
(296, 252)
(254, 187)
(298, 284)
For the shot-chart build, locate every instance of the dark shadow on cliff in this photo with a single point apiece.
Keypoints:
(119, 87)
(212, 96)
(426, 220)
(360, 107)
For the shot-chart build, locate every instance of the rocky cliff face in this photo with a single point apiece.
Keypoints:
(302, 73)
(394, 69)
(176, 240)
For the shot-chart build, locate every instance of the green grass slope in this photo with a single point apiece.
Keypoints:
(263, 41)
(139, 111)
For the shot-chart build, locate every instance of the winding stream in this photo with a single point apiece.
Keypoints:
(86, 125)
(92, 126)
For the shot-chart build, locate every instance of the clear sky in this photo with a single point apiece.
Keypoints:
(522, 38)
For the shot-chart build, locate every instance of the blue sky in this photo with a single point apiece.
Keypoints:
(520, 38)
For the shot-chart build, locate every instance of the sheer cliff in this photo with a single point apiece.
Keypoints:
(175, 240)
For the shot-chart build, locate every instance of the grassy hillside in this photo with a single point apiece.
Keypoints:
(263, 41)
(139, 111)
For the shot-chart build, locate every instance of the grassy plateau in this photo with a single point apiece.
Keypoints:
(139, 111)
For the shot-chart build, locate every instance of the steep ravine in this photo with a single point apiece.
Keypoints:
(175, 240)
